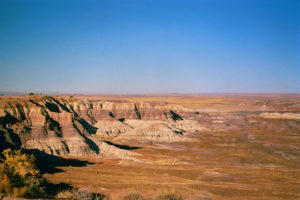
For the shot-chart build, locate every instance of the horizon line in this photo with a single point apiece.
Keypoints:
(145, 94)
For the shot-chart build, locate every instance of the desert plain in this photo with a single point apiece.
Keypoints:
(213, 146)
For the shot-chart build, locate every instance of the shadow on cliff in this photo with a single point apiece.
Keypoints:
(47, 163)
(121, 146)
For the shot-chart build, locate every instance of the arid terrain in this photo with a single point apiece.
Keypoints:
(231, 146)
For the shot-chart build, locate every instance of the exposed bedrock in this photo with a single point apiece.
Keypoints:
(70, 126)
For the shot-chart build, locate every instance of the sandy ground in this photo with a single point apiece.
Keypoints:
(242, 156)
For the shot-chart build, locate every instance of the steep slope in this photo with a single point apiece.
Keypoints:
(51, 125)
(70, 126)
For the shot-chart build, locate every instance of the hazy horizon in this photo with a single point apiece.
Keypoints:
(147, 94)
(150, 47)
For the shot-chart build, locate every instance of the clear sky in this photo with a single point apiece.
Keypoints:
(150, 46)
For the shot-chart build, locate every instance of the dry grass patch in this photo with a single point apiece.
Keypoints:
(19, 175)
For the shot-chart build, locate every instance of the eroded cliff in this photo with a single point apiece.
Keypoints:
(61, 126)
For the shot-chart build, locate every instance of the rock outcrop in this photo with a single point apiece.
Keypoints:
(276, 115)
(75, 127)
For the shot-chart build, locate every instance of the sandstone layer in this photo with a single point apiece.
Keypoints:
(69, 126)
(276, 115)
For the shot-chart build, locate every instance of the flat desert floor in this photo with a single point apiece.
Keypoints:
(250, 150)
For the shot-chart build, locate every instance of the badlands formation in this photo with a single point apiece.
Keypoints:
(200, 146)
(61, 126)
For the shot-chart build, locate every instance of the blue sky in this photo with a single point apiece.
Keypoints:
(150, 46)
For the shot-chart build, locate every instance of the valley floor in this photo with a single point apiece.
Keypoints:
(250, 157)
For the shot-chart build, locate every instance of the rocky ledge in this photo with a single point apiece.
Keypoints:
(70, 126)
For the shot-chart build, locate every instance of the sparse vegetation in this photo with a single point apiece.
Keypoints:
(80, 195)
(134, 196)
(170, 196)
(167, 193)
(65, 194)
(31, 94)
(19, 176)
(165, 196)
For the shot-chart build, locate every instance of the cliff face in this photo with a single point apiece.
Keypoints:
(61, 126)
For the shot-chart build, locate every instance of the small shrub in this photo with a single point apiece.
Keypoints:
(66, 194)
(19, 176)
(170, 196)
(76, 194)
(134, 196)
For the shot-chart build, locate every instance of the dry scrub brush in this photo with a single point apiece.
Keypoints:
(75, 194)
(161, 196)
(19, 175)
